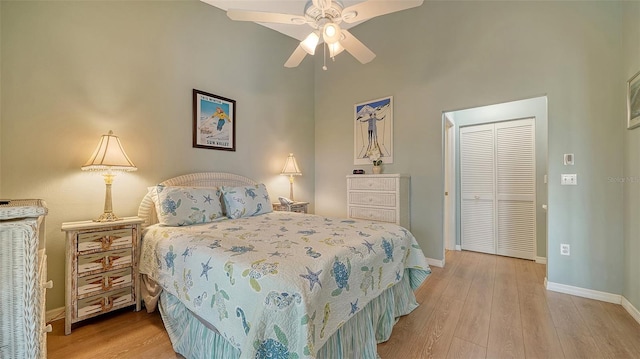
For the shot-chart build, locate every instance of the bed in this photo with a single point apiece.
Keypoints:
(270, 284)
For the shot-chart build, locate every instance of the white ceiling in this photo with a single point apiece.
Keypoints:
(294, 7)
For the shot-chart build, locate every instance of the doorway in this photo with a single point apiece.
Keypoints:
(535, 108)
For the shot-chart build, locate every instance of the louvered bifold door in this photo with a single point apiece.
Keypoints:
(477, 186)
(515, 188)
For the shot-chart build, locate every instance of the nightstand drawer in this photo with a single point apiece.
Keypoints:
(372, 184)
(104, 260)
(105, 240)
(105, 302)
(374, 214)
(103, 282)
(373, 199)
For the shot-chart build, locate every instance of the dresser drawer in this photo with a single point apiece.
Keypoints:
(103, 282)
(373, 199)
(105, 302)
(372, 184)
(105, 240)
(104, 260)
(374, 214)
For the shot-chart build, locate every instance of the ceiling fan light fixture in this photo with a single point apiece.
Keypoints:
(335, 49)
(310, 42)
(331, 33)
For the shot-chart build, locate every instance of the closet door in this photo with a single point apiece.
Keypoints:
(477, 187)
(515, 188)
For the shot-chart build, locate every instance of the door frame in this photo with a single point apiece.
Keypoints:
(449, 191)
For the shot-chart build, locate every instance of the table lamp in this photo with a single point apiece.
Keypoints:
(108, 157)
(291, 169)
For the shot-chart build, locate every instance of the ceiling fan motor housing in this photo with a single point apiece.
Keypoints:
(318, 16)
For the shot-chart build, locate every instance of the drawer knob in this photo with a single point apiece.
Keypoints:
(108, 285)
(48, 284)
(47, 328)
(106, 242)
(105, 307)
(106, 264)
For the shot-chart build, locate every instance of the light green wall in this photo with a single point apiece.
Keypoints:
(1, 99)
(72, 70)
(445, 56)
(530, 108)
(631, 185)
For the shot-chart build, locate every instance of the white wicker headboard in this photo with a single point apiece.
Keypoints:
(147, 210)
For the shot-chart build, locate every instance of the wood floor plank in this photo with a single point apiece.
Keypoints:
(438, 333)
(604, 329)
(505, 329)
(626, 326)
(565, 315)
(538, 331)
(462, 349)
(578, 347)
(476, 313)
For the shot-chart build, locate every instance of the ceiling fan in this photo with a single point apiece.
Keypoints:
(324, 17)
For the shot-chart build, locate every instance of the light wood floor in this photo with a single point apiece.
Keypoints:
(479, 306)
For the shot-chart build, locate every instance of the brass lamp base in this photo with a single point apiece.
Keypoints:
(108, 215)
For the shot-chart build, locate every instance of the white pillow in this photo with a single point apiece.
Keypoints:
(246, 201)
(184, 206)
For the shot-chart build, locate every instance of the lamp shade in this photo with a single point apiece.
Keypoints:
(109, 155)
(291, 167)
(331, 33)
(310, 42)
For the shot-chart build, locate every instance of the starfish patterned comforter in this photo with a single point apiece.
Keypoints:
(279, 284)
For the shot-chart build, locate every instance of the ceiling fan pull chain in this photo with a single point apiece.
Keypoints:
(324, 56)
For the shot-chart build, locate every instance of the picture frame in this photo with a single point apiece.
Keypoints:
(214, 121)
(633, 101)
(373, 128)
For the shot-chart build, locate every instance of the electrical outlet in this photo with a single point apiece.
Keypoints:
(565, 249)
(569, 179)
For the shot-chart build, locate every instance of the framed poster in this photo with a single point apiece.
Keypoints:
(633, 101)
(373, 131)
(214, 122)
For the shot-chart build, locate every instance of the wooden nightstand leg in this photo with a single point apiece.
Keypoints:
(67, 325)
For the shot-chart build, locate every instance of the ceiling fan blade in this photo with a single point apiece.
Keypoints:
(356, 48)
(372, 8)
(259, 16)
(296, 58)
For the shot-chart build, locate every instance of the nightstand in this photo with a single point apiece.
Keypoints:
(300, 207)
(101, 268)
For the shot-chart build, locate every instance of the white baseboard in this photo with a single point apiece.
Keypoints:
(458, 247)
(631, 309)
(435, 262)
(54, 314)
(583, 292)
(541, 260)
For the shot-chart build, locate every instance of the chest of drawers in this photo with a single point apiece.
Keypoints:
(382, 198)
(101, 268)
(23, 279)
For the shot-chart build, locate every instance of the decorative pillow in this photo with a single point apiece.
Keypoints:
(246, 201)
(184, 206)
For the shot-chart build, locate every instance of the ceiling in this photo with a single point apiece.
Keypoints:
(294, 7)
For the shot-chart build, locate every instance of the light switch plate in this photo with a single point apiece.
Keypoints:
(568, 159)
